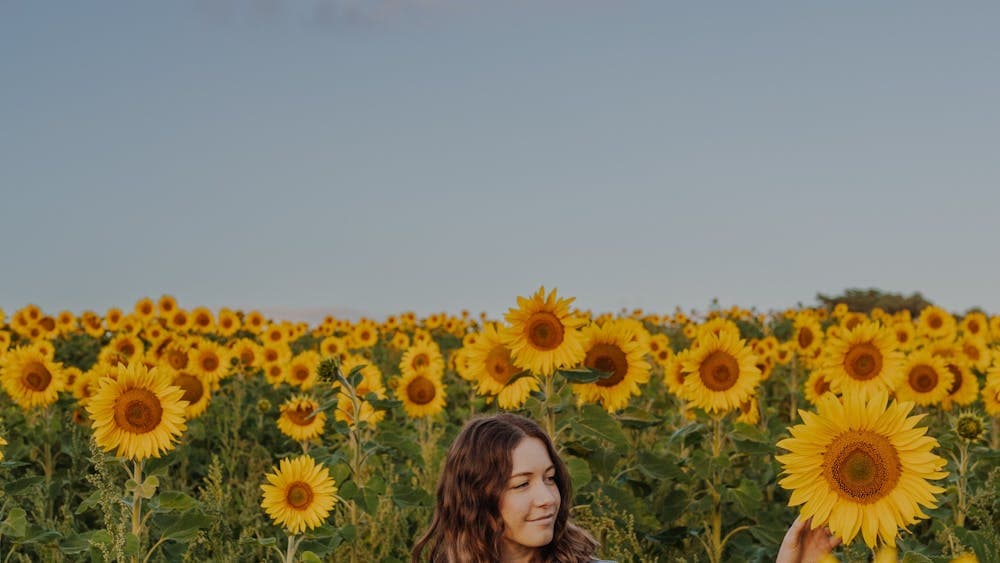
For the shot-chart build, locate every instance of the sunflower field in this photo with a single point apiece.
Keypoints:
(160, 433)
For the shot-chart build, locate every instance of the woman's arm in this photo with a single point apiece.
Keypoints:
(803, 545)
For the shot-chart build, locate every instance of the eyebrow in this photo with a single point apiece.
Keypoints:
(532, 472)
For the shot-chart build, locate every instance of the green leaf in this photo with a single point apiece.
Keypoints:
(369, 500)
(382, 404)
(15, 523)
(684, 431)
(35, 534)
(186, 526)
(748, 433)
(656, 467)
(633, 417)
(582, 375)
(340, 472)
(747, 498)
(175, 500)
(977, 541)
(349, 532)
(579, 471)
(310, 557)
(595, 421)
(914, 557)
(377, 484)
(349, 491)
(92, 501)
(23, 484)
(403, 496)
(77, 543)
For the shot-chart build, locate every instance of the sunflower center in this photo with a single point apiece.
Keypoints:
(972, 352)
(499, 365)
(821, 386)
(421, 361)
(935, 322)
(138, 411)
(923, 378)
(421, 391)
(210, 362)
(300, 495)
(806, 337)
(300, 373)
(193, 389)
(177, 359)
(957, 383)
(973, 327)
(863, 361)
(902, 336)
(126, 349)
(545, 331)
(719, 371)
(862, 466)
(247, 357)
(609, 359)
(301, 415)
(36, 376)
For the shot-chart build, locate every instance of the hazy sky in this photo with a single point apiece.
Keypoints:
(381, 156)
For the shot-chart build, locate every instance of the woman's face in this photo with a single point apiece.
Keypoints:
(530, 502)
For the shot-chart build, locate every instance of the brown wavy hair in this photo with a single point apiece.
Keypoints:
(467, 526)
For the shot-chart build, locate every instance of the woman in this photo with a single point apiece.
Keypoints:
(504, 496)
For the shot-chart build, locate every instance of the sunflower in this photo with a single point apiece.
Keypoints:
(861, 465)
(197, 392)
(423, 358)
(817, 385)
(31, 377)
(422, 395)
(179, 320)
(210, 360)
(543, 335)
(166, 305)
(364, 335)
(65, 322)
(333, 347)
(976, 351)
(991, 391)
(490, 363)
(202, 320)
(975, 324)
(300, 420)
(2, 443)
(228, 322)
(275, 353)
(254, 321)
(904, 333)
(673, 372)
(371, 376)
(274, 334)
(113, 319)
(936, 323)
(926, 379)
(92, 324)
(964, 387)
(145, 309)
(123, 349)
(299, 495)
(749, 411)
(717, 326)
(247, 354)
(301, 370)
(720, 373)
(140, 414)
(808, 335)
(863, 359)
(611, 348)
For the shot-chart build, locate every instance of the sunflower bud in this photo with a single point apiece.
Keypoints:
(970, 427)
(264, 405)
(327, 370)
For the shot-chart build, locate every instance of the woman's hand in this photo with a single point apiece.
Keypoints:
(803, 545)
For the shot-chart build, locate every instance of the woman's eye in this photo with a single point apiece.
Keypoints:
(521, 485)
(550, 479)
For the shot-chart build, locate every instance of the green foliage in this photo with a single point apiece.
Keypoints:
(864, 300)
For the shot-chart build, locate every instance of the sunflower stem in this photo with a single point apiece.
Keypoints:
(793, 386)
(137, 503)
(550, 413)
(960, 485)
(293, 546)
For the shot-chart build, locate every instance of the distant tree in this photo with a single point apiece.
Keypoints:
(864, 300)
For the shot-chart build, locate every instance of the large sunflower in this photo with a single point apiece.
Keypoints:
(936, 323)
(210, 360)
(299, 419)
(489, 362)
(964, 387)
(926, 379)
(861, 465)
(301, 370)
(863, 358)
(299, 495)
(720, 373)
(140, 414)
(421, 395)
(543, 335)
(612, 349)
(31, 377)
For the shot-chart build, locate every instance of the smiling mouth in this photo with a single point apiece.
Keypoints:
(543, 519)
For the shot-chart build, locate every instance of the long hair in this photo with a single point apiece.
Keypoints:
(467, 526)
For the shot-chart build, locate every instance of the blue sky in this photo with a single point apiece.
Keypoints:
(379, 156)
